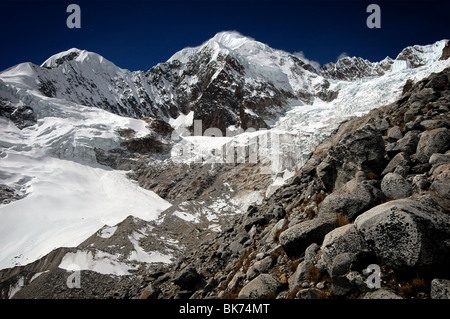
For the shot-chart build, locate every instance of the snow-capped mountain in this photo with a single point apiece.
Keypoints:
(61, 122)
(350, 68)
(248, 83)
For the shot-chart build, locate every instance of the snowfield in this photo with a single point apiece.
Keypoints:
(68, 196)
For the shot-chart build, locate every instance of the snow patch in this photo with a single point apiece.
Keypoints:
(97, 261)
(186, 216)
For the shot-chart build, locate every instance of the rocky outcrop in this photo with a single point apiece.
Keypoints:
(350, 68)
(22, 115)
(446, 52)
(9, 194)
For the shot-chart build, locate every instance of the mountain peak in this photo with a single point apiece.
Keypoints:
(419, 55)
(231, 39)
(224, 41)
(74, 54)
(59, 58)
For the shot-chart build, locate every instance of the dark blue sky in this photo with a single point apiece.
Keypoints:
(139, 34)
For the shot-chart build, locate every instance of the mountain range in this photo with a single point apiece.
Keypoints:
(106, 168)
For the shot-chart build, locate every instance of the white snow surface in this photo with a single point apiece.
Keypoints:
(66, 202)
(68, 196)
(97, 261)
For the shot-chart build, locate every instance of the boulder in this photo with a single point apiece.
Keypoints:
(407, 143)
(432, 141)
(341, 286)
(439, 159)
(381, 294)
(279, 212)
(275, 231)
(297, 238)
(402, 170)
(299, 275)
(250, 222)
(440, 289)
(187, 278)
(407, 234)
(394, 133)
(341, 265)
(394, 186)
(441, 181)
(343, 240)
(410, 115)
(425, 95)
(263, 265)
(352, 199)
(150, 292)
(235, 247)
(262, 287)
(309, 293)
(432, 124)
(361, 149)
(311, 252)
(401, 159)
(234, 283)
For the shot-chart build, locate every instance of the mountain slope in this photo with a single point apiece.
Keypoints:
(65, 124)
(372, 195)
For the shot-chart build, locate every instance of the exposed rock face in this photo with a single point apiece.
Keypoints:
(23, 115)
(8, 194)
(348, 68)
(446, 52)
